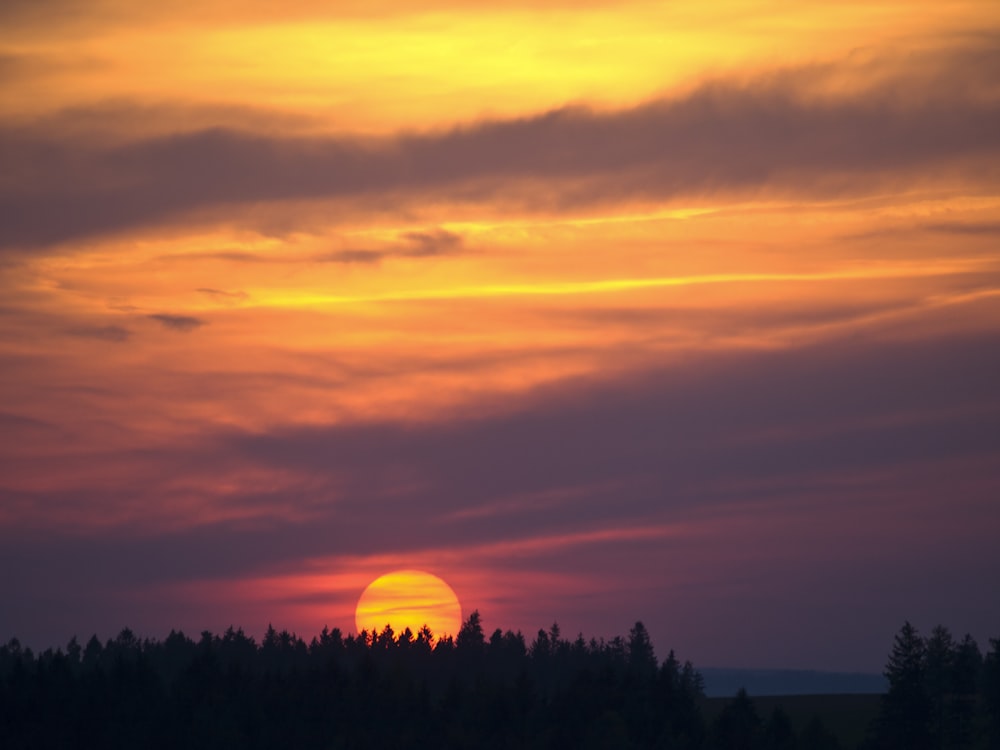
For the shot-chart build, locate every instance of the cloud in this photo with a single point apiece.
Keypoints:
(229, 298)
(721, 434)
(686, 486)
(352, 256)
(19, 421)
(177, 322)
(436, 242)
(426, 244)
(10, 65)
(94, 12)
(973, 228)
(116, 334)
(234, 256)
(827, 477)
(770, 135)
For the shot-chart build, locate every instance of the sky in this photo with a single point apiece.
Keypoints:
(684, 312)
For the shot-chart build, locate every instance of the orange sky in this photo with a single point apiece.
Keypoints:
(275, 282)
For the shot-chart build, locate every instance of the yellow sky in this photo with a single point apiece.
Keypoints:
(410, 68)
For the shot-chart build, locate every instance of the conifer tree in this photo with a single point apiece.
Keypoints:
(904, 719)
(991, 693)
(967, 664)
(739, 726)
(938, 671)
(641, 657)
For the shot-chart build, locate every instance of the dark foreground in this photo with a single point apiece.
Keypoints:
(409, 691)
(840, 720)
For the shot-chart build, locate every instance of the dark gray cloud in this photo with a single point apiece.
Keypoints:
(28, 323)
(681, 427)
(767, 136)
(177, 322)
(970, 231)
(235, 256)
(426, 244)
(973, 228)
(113, 333)
(12, 421)
(435, 242)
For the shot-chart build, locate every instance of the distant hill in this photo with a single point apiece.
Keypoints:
(721, 682)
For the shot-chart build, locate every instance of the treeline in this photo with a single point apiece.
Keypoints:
(404, 690)
(357, 691)
(943, 694)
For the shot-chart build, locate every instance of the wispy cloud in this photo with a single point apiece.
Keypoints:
(113, 333)
(436, 242)
(426, 244)
(220, 295)
(987, 228)
(182, 323)
(721, 137)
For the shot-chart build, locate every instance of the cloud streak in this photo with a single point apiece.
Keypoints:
(116, 334)
(182, 323)
(720, 138)
(220, 295)
(426, 244)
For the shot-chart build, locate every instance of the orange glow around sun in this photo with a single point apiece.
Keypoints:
(409, 599)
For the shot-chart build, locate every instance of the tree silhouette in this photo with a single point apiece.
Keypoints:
(471, 638)
(991, 693)
(641, 658)
(738, 726)
(905, 716)
(939, 652)
(966, 666)
(815, 736)
(778, 732)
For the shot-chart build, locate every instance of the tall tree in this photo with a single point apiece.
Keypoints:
(904, 719)
(816, 736)
(738, 726)
(991, 693)
(778, 732)
(471, 637)
(938, 671)
(641, 658)
(966, 665)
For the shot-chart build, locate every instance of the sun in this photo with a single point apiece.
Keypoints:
(409, 599)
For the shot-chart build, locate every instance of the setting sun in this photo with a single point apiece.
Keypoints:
(409, 599)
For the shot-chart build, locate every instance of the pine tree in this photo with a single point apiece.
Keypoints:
(641, 657)
(739, 726)
(471, 637)
(778, 733)
(991, 693)
(904, 719)
(938, 670)
(967, 664)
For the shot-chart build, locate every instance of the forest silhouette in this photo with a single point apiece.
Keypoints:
(407, 690)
